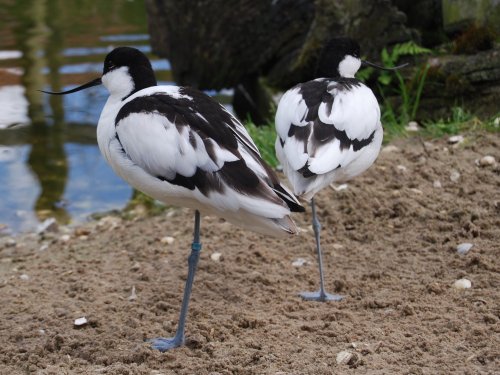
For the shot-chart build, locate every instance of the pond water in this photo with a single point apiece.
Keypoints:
(50, 165)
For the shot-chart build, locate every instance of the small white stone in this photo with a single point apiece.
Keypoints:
(487, 161)
(168, 240)
(216, 256)
(462, 284)
(464, 248)
(496, 122)
(44, 247)
(401, 168)
(65, 238)
(299, 262)
(416, 191)
(337, 246)
(455, 139)
(340, 187)
(109, 222)
(24, 277)
(81, 321)
(437, 184)
(10, 242)
(48, 225)
(412, 126)
(135, 267)
(454, 175)
(344, 357)
(429, 145)
(390, 148)
(133, 295)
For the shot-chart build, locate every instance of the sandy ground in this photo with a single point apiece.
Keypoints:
(390, 244)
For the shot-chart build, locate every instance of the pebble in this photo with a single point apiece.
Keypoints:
(168, 240)
(456, 139)
(10, 242)
(80, 232)
(486, 161)
(344, 357)
(48, 225)
(81, 321)
(337, 246)
(216, 257)
(24, 277)
(412, 126)
(109, 222)
(390, 148)
(416, 191)
(133, 295)
(462, 284)
(340, 187)
(299, 262)
(437, 184)
(454, 175)
(396, 193)
(65, 238)
(401, 168)
(135, 267)
(464, 248)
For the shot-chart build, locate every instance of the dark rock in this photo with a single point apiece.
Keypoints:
(472, 80)
(221, 44)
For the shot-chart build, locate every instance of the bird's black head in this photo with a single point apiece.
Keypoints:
(126, 70)
(339, 57)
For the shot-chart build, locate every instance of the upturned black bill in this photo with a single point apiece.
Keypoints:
(364, 62)
(95, 82)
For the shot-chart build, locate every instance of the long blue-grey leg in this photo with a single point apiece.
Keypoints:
(164, 344)
(321, 295)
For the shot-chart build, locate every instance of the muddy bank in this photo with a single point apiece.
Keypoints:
(390, 246)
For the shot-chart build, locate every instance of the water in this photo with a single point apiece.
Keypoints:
(50, 165)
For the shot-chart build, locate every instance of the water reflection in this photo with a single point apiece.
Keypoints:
(66, 178)
(51, 166)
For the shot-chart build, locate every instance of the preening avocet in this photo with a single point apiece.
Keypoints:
(328, 130)
(181, 147)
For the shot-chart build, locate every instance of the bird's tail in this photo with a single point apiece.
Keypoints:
(287, 224)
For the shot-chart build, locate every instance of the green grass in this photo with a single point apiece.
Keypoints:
(459, 121)
(264, 137)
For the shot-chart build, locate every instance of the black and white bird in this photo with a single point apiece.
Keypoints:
(181, 147)
(328, 130)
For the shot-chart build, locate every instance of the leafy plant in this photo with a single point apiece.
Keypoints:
(393, 84)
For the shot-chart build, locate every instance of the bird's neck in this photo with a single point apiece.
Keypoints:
(142, 78)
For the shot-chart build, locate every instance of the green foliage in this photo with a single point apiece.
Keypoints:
(408, 91)
(264, 137)
(459, 121)
(391, 58)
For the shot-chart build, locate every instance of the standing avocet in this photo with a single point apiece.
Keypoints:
(329, 130)
(182, 148)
